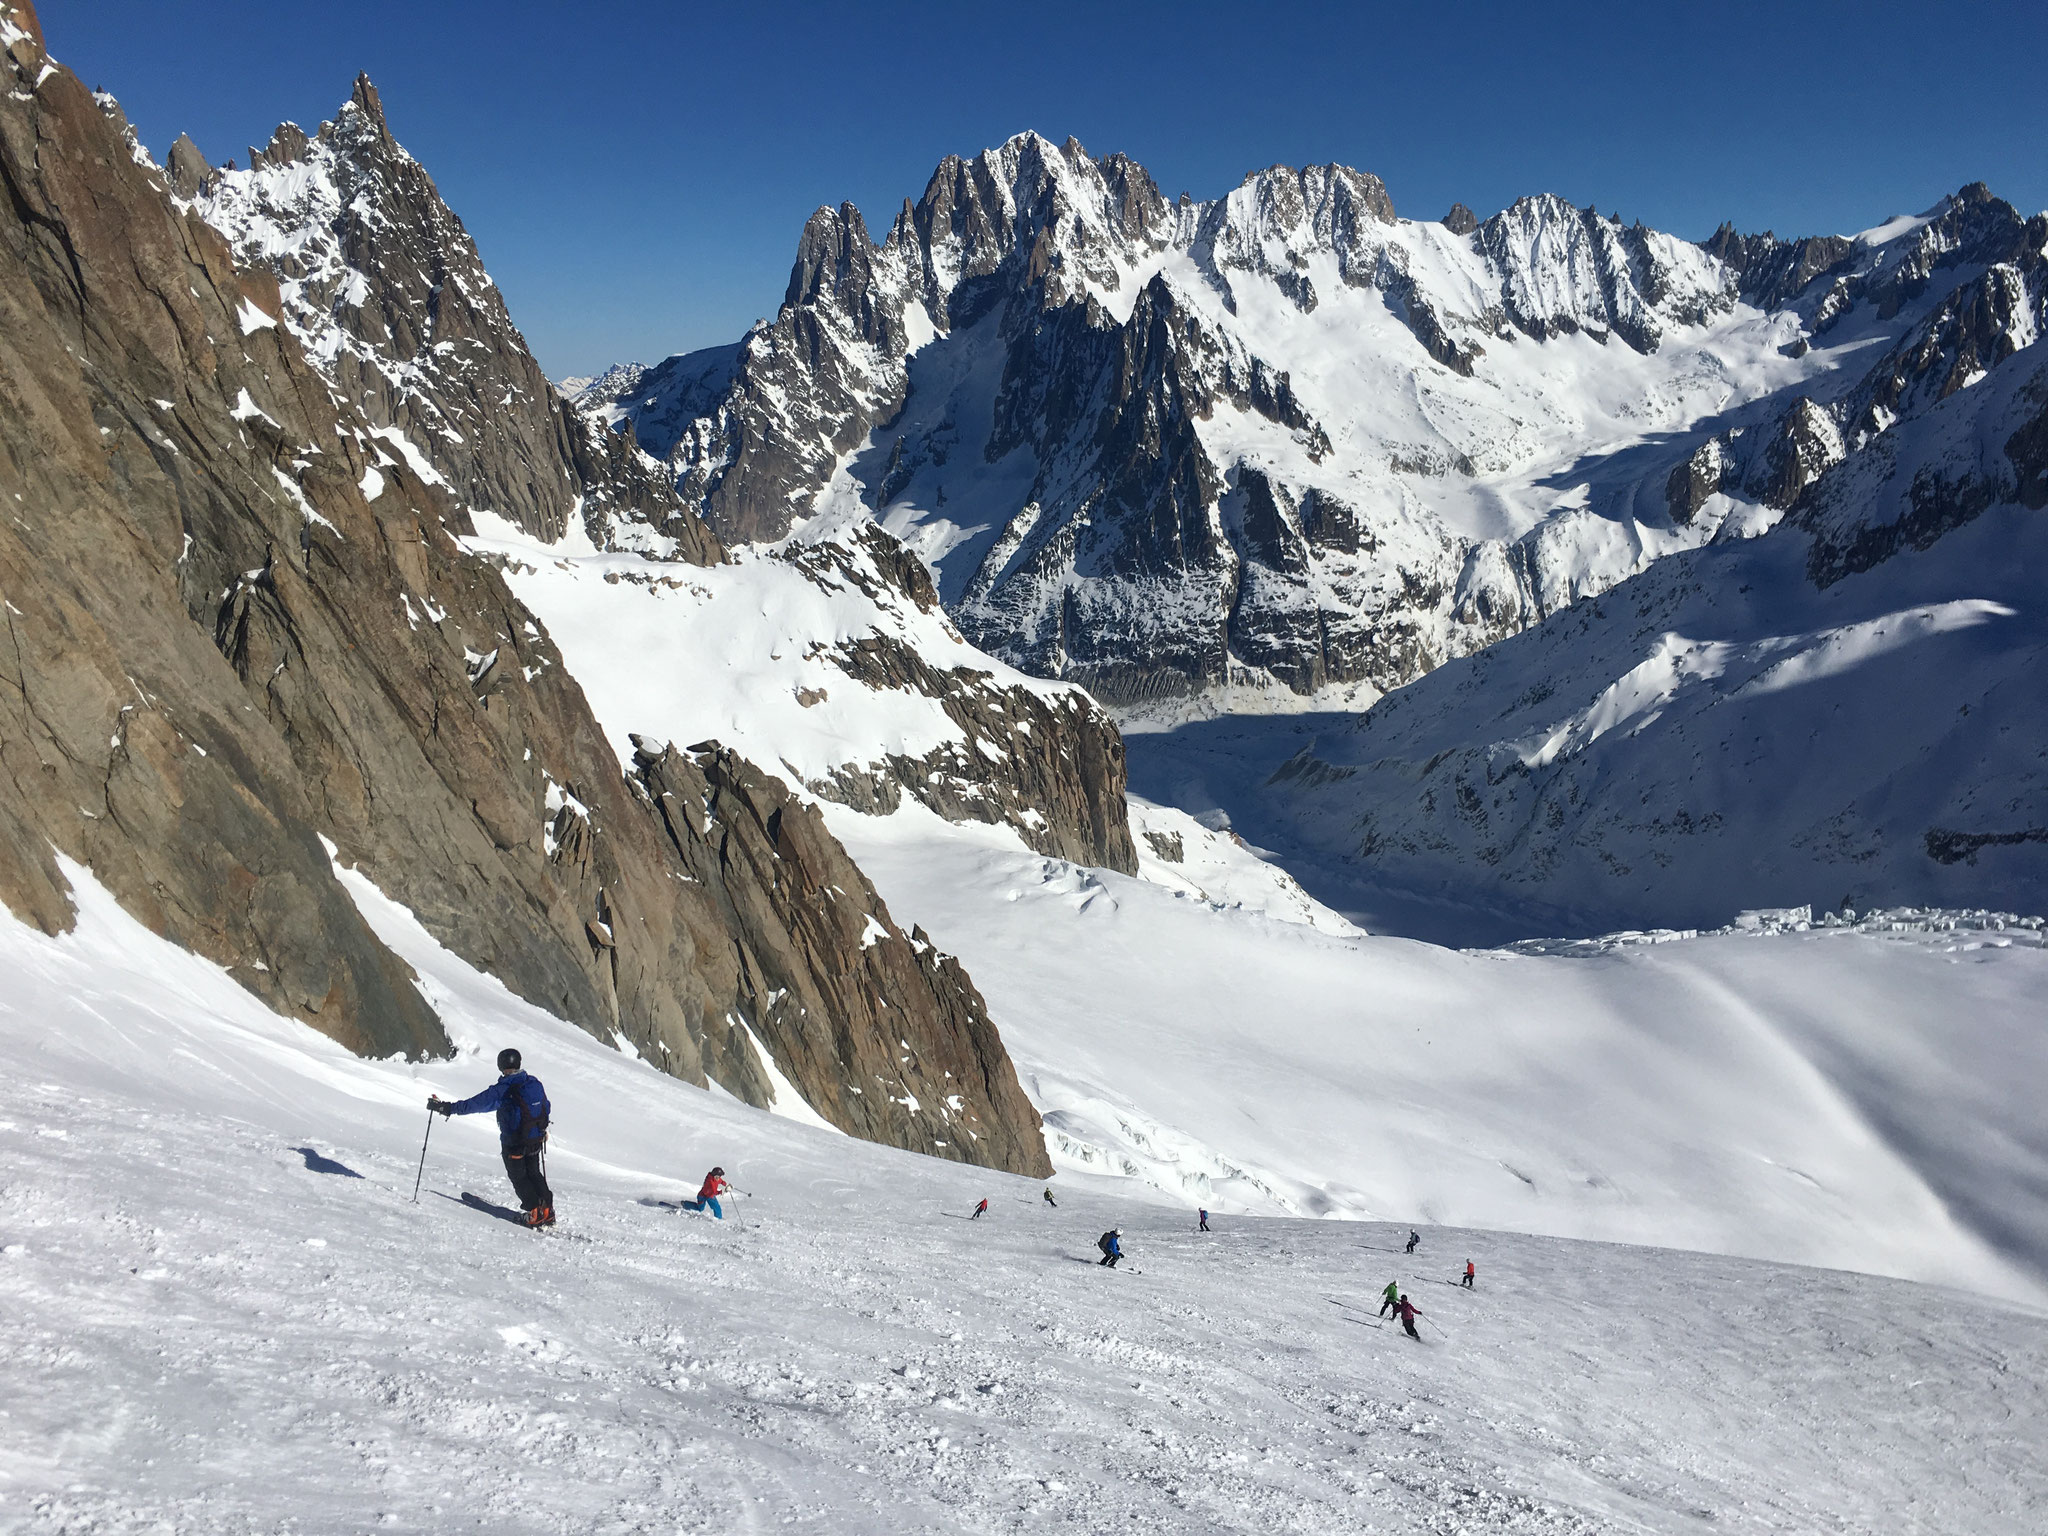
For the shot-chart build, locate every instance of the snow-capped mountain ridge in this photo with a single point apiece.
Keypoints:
(1848, 708)
(1285, 438)
(352, 193)
(384, 289)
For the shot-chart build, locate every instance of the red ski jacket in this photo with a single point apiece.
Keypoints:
(1409, 1311)
(714, 1186)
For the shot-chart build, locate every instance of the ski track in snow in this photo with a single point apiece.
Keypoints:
(213, 1327)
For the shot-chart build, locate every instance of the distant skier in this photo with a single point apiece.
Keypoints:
(1409, 1312)
(1391, 1297)
(1049, 1199)
(522, 1106)
(1111, 1244)
(980, 1210)
(707, 1197)
(1414, 1237)
(1469, 1272)
(1204, 1215)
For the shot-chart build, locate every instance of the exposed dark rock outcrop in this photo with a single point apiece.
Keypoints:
(1892, 498)
(1049, 764)
(884, 1036)
(233, 628)
(1773, 272)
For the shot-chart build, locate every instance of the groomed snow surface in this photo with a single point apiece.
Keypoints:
(224, 1314)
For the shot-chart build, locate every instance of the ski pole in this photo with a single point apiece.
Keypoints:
(423, 1157)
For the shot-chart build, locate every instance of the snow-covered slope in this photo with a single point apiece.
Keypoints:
(225, 1314)
(1206, 1028)
(830, 661)
(1851, 709)
(1286, 445)
(1833, 1096)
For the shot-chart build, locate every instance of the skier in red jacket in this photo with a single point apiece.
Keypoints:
(980, 1210)
(1409, 1312)
(1469, 1272)
(707, 1197)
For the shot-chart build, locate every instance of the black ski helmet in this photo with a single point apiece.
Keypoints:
(718, 1173)
(508, 1060)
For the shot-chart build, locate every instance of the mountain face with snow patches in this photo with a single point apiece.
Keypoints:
(1286, 441)
(384, 290)
(244, 623)
(388, 296)
(1849, 710)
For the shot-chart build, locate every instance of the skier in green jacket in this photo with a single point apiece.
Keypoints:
(1393, 1297)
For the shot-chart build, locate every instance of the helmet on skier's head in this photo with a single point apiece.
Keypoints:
(718, 1173)
(508, 1060)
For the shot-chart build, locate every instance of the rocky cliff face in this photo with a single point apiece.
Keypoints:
(881, 1033)
(1286, 441)
(239, 623)
(1048, 765)
(381, 283)
(387, 295)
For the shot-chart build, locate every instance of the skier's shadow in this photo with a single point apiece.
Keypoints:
(315, 1163)
(479, 1203)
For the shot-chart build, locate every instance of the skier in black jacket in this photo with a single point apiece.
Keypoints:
(522, 1106)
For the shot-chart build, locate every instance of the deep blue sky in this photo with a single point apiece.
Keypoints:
(636, 175)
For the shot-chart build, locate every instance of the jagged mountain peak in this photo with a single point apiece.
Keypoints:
(363, 97)
(1565, 269)
(603, 388)
(1296, 193)
(186, 169)
(1056, 209)
(1886, 264)
(390, 298)
(1289, 438)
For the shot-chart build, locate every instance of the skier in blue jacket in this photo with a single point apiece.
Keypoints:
(522, 1106)
(1111, 1244)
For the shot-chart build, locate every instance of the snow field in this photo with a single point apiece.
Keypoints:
(1211, 1033)
(1832, 1098)
(214, 1327)
(735, 652)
